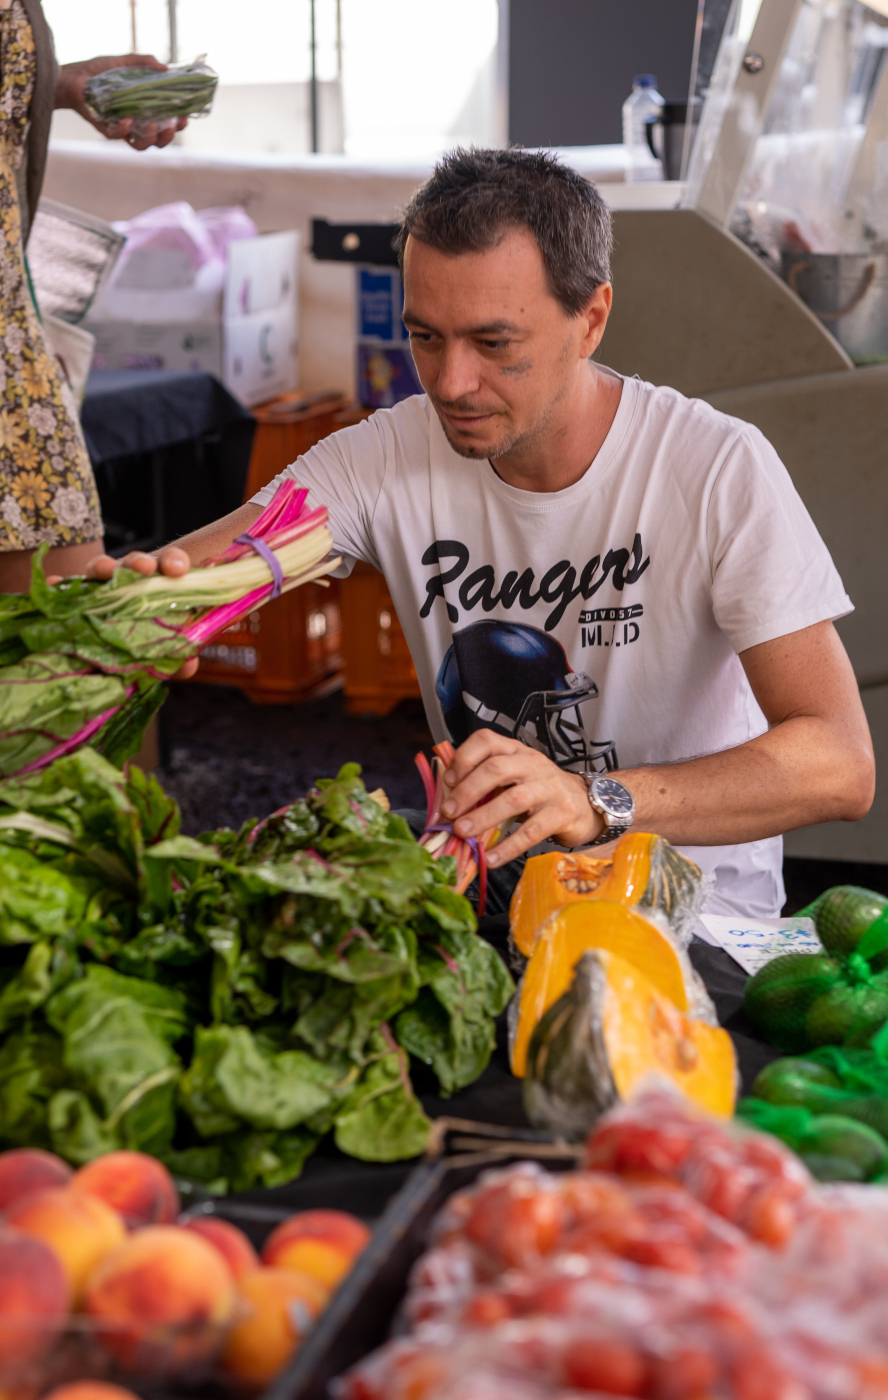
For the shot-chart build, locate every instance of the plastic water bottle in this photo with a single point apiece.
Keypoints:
(644, 101)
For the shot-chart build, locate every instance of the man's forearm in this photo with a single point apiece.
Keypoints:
(211, 540)
(797, 774)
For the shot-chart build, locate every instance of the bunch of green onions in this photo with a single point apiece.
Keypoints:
(186, 90)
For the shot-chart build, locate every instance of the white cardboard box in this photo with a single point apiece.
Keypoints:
(252, 346)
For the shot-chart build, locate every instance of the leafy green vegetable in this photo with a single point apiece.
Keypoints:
(450, 1026)
(31, 1070)
(117, 1033)
(224, 1002)
(233, 1075)
(183, 90)
(382, 1119)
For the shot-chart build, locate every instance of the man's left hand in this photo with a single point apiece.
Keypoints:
(72, 80)
(546, 800)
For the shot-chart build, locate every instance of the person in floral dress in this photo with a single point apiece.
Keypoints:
(47, 490)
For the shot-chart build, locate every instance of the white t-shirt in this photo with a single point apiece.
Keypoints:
(683, 544)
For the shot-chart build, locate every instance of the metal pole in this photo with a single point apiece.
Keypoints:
(501, 103)
(133, 39)
(313, 87)
(692, 93)
(174, 33)
(339, 39)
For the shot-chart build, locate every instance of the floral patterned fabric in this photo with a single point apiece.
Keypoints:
(47, 491)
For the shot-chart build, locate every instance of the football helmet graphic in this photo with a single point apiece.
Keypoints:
(517, 680)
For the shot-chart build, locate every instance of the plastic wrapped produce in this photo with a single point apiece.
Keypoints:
(845, 1087)
(746, 1177)
(610, 1031)
(148, 96)
(602, 924)
(839, 997)
(633, 1342)
(645, 873)
(592, 1283)
(832, 1146)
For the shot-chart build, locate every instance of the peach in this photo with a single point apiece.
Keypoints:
(80, 1229)
(281, 1305)
(24, 1170)
(323, 1243)
(163, 1299)
(34, 1298)
(138, 1187)
(90, 1390)
(231, 1242)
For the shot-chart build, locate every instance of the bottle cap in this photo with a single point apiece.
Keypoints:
(644, 80)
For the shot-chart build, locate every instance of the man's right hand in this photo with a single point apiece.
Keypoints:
(172, 561)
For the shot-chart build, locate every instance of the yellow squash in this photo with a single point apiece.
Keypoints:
(611, 1030)
(645, 872)
(571, 932)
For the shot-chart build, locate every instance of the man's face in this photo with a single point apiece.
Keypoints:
(495, 351)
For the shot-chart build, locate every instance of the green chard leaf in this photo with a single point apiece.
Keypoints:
(265, 1159)
(232, 1079)
(341, 1017)
(31, 1070)
(49, 694)
(382, 1119)
(198, 1164)
(76, 1130)
(46, 968)
(450, 1026)
(86, 796)
(118, 1032)
(344, 803)
(37, 901)
(121, 738)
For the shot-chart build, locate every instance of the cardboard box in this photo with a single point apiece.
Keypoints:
(251, 346)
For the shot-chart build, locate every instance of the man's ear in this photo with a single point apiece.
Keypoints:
(594, 316)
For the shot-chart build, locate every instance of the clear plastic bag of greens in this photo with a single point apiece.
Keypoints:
(149, 97)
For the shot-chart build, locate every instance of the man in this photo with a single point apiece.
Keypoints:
(547, 528)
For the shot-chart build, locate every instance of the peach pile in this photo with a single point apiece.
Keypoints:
(165, 1294)
(323, 1243)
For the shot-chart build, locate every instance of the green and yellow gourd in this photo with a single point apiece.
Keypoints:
(838, 997)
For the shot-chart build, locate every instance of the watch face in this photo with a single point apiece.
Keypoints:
(614, 800)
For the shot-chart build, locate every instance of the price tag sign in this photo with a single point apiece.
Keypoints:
(752, 943)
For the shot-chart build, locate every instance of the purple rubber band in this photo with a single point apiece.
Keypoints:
(268, 555)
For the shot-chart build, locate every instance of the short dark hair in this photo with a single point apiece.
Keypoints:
(473, 198)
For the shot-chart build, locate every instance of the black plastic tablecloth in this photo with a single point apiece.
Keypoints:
(130, 411)
(331, 1179)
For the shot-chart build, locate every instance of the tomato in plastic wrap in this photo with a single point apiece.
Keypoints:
(690, 1261)
(605, 1364)
(516, 1218)
(748, 1178)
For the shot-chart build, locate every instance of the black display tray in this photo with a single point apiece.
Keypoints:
(360, 1313)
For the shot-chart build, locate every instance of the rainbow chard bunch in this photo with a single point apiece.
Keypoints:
(84, 662)
(439, 838)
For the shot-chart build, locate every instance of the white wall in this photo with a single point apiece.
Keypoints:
(279, 192)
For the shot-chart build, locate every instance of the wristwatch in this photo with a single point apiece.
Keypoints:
(613, 801)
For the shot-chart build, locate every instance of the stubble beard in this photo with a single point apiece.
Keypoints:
(515, 444)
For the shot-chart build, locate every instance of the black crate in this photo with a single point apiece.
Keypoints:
(360, 1313)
